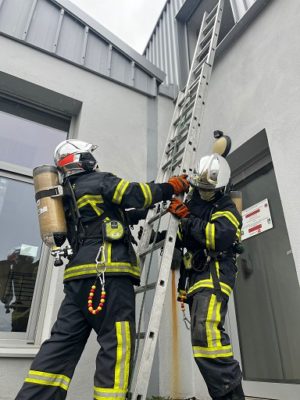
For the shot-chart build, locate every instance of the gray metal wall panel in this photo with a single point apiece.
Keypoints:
(141, 82)
(51, 27)
(120, 67)
(13, 16)
(43, 27)
(96, 54)
(161, 49)
(70, 39)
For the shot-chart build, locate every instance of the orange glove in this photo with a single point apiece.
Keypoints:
(178, 208)
(180, 184)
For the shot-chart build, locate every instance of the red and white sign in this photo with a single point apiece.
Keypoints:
(256, 219)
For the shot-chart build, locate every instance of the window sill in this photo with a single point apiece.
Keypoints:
(18, 352)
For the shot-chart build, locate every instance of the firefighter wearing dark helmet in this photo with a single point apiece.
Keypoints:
(99, 278)
(209, 229)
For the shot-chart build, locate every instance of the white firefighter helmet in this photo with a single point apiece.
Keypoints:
(212, 174)
(74, 156)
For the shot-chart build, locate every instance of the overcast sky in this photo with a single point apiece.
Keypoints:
(130, 20)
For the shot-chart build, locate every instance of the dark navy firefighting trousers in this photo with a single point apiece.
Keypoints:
(211, 345)
(53, 367)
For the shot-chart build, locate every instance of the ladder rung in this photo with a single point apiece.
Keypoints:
(194, 84)
(198, 67)
(206, 36)
(183, 100)
(203, 51)
(209, 25)
(181, 139)
(152, 247)
(173, 159)
(186, 118)
(212, 13)
(157, 216)
(175, 165)
(140, 335)
(145, 288)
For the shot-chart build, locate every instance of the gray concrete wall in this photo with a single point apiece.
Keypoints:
(255, 86)
(124, 123)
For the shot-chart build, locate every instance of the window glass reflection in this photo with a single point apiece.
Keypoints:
(20, 247)
(27, 143)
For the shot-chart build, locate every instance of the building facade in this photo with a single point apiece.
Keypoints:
(64, 75)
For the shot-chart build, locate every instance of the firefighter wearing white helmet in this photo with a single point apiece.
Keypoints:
(99, 276)
(209, 229)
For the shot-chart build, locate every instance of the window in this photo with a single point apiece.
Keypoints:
(25, 144)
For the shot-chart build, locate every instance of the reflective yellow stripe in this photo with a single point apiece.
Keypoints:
(119, 191)
(119, 355)
(128, 354)
(48, 379)
(212, 321)
(123, 355)
(113, 267)
(147, 194)
(209, 321)
(217, 321)
(109, 393)
(213, 352)
(210, 236)
(93, 201)
(227, 214)
(208, 283)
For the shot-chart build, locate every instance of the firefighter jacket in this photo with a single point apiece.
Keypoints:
(94, 198)
(211, 229)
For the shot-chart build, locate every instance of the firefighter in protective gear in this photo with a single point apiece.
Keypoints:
(210, 225)
(99, 277)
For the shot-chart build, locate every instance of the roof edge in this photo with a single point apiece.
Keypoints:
(119, 44)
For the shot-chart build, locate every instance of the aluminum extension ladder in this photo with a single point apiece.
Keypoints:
(178, 158)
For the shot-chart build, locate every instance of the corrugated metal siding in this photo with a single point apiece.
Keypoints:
(161, 49)
(49, 26)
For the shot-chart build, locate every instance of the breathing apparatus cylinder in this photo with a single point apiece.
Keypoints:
(48, 196)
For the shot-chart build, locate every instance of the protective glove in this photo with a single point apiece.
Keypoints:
(178, 208)
(180, 184)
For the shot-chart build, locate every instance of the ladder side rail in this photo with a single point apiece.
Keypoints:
(194, 131)
(190, 151)
(215, 34)
(147, 355)
(194, 60)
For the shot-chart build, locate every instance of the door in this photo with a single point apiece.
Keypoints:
(264, 315)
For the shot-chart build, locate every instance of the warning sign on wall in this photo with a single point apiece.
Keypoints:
(256, 219)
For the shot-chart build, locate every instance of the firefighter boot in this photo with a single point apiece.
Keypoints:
(236, 394)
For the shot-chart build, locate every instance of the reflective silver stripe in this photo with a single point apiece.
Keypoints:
(208, 283)
(214, 352)
(90, 269)
(48, 379)
(109, 393)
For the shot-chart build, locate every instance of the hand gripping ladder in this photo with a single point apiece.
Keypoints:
(178, 157)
